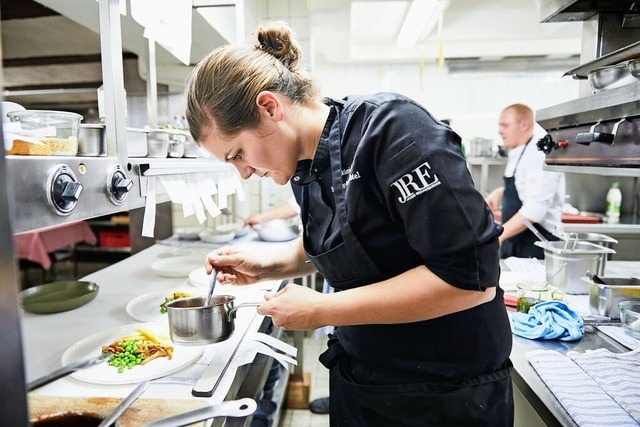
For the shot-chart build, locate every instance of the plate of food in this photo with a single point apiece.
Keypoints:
(151, 307)
(177, 266)
(146, 348)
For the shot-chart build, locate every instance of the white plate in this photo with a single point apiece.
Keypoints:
(146, 308)
(179, 266)
(104, 373)
(200, 278)
(188, 233)
(213, 236)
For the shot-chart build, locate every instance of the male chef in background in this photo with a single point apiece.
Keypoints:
(529, 191)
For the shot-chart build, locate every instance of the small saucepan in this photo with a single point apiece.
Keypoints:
(192, 322)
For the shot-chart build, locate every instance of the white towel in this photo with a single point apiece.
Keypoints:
(579, 394)
(618, 374)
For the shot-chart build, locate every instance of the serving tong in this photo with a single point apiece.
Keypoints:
(69, 369)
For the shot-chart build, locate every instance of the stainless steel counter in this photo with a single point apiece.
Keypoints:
(46, 337)
(533, 388)
(527, 381)
(603, 228)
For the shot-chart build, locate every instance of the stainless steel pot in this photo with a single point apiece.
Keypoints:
(566, 262)
(597, 238)
(192, 322)
(92, 140)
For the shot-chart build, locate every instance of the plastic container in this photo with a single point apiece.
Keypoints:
(157, 144)
(630, 317)
(614, 201)
(56, 130)
(176, 144)
(114, 239)
(191, 148)
(137, 142)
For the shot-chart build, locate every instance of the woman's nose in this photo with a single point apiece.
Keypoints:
(245, 171)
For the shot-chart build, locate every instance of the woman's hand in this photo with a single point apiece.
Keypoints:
(254, 219)
(235, 266)
(294, 307)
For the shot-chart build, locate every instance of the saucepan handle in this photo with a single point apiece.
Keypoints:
(232, 312)
(232, 408)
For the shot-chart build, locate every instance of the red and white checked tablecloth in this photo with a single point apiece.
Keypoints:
(37, 245)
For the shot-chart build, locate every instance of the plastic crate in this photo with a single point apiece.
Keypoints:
(114, 239)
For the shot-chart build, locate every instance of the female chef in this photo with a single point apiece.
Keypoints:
(391, 220)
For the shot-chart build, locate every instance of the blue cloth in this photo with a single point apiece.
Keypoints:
(548, 320)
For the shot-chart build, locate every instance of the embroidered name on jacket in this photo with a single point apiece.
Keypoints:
(415, 182)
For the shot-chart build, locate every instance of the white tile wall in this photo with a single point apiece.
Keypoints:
(472, 101)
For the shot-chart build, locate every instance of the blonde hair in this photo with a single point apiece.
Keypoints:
(223, 87)
(522, 112)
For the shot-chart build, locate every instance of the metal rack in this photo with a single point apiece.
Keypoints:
(25, 196)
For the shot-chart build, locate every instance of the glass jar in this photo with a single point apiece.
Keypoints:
(530, 294)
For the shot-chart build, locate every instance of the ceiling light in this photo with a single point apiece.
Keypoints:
(420, 19)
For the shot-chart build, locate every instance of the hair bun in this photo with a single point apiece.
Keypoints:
(277, 39)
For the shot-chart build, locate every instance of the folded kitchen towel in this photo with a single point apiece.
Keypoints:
(578, 392)
(548, 320)
(618, 374)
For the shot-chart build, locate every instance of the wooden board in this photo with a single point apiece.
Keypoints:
(142, 411)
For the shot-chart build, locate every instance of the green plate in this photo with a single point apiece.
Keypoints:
(56, 297)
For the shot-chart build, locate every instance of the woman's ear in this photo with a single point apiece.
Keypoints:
(269, 105)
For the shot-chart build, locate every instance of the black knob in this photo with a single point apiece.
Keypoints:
(120, 186)
(546, 144)
(65, 193)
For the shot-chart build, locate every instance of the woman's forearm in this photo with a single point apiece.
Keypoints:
(415, 295)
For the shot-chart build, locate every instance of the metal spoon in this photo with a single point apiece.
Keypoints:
(534, 230)
(124, 405)
(228, 212)
(212, 283)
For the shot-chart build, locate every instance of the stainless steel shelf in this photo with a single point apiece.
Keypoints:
(595, 170)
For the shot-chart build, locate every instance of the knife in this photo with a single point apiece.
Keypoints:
(65, 370)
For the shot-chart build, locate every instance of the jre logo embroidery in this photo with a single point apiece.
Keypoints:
(416, 182)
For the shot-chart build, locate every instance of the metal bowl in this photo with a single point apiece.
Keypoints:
(277, 230)
(610, 77)
(634, 68)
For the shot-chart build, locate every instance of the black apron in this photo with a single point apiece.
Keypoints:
(521, 245)
(364, 396)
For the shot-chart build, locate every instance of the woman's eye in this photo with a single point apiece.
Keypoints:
(236, 156)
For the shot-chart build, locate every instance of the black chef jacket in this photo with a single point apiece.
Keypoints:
(410, 201)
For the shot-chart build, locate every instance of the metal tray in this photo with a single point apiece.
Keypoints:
(621, 55)
(56, 297)
(604, 299)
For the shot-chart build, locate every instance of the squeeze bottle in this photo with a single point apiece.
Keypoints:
(614, 200)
